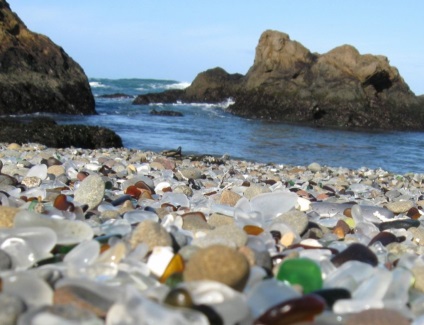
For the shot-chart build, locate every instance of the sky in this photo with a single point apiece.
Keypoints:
(176, 40)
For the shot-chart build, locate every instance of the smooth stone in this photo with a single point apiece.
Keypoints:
(377, 317)
(91, 191)
(188, 173)
(254, 190)
(14, 146)
(296, 220)
(56, 170)
(217, 220)
(6, 180)
(230, 235)
(184, 189)
(400, 206)
(59, 314)
(399, 224)
(7, 216)
(293, 311)
(229, 198)
(301, 271)
(355, 252)
(203, 266)
(150, 233)
(418, 235)
(314, 167)
(5, 261)
(68, 232)
(11, 308)
(195, 221)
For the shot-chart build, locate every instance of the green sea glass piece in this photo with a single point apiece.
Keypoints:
(301, 271)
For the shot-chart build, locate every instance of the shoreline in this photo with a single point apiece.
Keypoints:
(152, 225)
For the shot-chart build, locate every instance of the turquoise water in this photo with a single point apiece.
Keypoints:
(209, 129)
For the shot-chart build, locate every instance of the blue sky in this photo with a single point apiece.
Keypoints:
(168, 39)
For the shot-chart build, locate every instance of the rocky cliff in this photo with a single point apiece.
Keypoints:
(36, 75)
(341, 88)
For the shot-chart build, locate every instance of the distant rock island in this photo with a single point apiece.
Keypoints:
(287, 82)
(36, 75)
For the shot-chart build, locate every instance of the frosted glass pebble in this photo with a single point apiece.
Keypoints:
(345, 306)
(29, 287)
(92, 166)
(267, 294)
(272, 204)
(40, 239)
(39, 171)
(137, 216)
(68, 231)
(159, 259)
(161, 186)
(116, 227)
(227, 302)
(84, 253)
(19, 251)
(374, 287)
(134, 308)
(176, 199)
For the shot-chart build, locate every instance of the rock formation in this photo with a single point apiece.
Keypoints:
(341, 88)
(36, 75)
(46, 131)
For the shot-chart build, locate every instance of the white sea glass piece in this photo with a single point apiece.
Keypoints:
(39, 171)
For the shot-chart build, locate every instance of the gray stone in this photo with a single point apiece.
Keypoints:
(297, 220)
(5, 261)
(90, 191)
(400, 206)
(150, 233)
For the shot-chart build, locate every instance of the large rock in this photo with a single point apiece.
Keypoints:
(341, 88)
(46, 131)
(36, 75)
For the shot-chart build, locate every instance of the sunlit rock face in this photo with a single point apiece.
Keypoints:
(287, 82)
(36, 75)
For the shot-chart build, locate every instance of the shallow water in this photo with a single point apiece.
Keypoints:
(209, 129)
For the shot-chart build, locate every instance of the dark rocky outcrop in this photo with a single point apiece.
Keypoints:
(116, 96)
(46, 131)
(36, 75)
(287, 82)
(165, 113)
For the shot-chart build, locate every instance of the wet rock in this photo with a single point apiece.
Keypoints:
(233, 272)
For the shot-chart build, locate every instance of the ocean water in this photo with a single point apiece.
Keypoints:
(210, 129)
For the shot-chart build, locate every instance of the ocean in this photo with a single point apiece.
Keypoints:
(210, 129)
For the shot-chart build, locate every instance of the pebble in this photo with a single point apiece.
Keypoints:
(297, 220)
(151, 233)
(102, 236)
(7, 216)
(91, 191)
(233, 271)
(229, 198)
(11, 308)
(400, 206)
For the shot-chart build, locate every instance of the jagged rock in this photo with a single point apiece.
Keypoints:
(46, 131)
(340, 88)
(36, 75)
